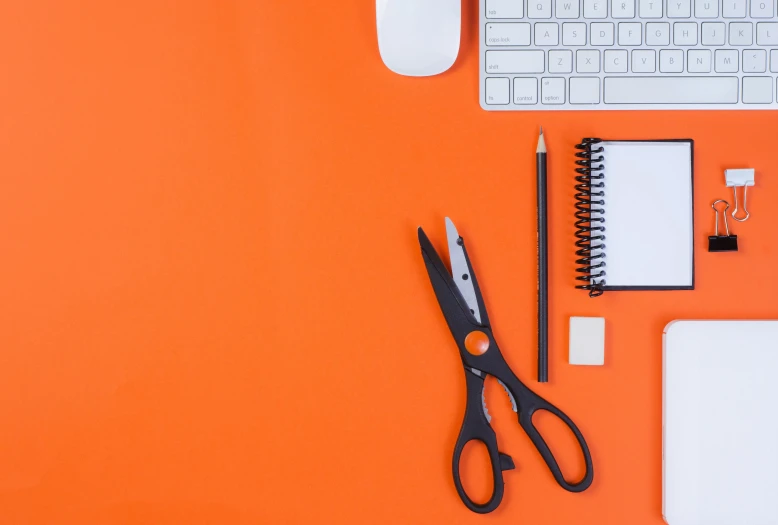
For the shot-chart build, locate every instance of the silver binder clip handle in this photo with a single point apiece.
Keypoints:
(735, 179)
(745, 197)
(724, 213)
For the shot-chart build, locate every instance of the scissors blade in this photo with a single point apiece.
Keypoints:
(453, 305)
(460, 270)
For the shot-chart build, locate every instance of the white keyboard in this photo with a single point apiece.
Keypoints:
(628, 54)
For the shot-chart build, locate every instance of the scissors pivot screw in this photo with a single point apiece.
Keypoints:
(477, 343)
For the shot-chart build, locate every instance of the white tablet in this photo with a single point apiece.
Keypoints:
(720, 423)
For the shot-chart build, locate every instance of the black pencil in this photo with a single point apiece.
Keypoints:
(540, 157)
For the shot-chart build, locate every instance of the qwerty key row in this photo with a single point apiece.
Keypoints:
(594, 9)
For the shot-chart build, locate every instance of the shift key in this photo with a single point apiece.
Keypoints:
(515, 61)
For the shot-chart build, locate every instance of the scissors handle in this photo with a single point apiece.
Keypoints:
(529, 403)
(475, 427)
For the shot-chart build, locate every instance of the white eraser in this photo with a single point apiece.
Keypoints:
(587, 340)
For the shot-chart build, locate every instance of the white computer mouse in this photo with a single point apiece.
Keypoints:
(418, 38)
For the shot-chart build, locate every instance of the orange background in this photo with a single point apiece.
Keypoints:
(213, 308)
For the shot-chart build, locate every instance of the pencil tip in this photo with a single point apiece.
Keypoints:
(541, 142)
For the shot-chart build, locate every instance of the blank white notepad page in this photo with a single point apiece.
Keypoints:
(648, 214)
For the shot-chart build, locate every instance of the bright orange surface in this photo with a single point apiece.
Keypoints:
(213, 308)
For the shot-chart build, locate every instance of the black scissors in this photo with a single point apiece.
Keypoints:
(463, 307)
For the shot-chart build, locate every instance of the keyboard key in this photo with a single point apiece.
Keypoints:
(706, 8)
(587, 61)
(699, 61)
(525, 91)
(515, 61)
(602, 33)
(629, 33)
(774, 61)
(644, 61)
(754, 61)
(767, 34)
(762, 8)
(573, 34)
(734, 9)
(546, 34)
(741, 34)
(498, 91)
(685, 33)
(652, 8)
(504, 8)
(584, 90)
(658, 34)
(568, 8)
(714, 33)
(671, 90)
(615, 61)
(595, 8)
(553, 90)
(679, 9)
(623, 9)
(757, 90)
(726, 61)
(542, 8)
(671, 61)
(560, 61)
(507, 34)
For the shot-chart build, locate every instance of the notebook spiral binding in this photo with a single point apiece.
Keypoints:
(590, 226)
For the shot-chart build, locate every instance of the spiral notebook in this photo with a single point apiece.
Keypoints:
(635, 215)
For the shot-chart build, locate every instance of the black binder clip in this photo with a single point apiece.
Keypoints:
(722, 243)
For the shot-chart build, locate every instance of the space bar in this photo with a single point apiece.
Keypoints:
(671, 90)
